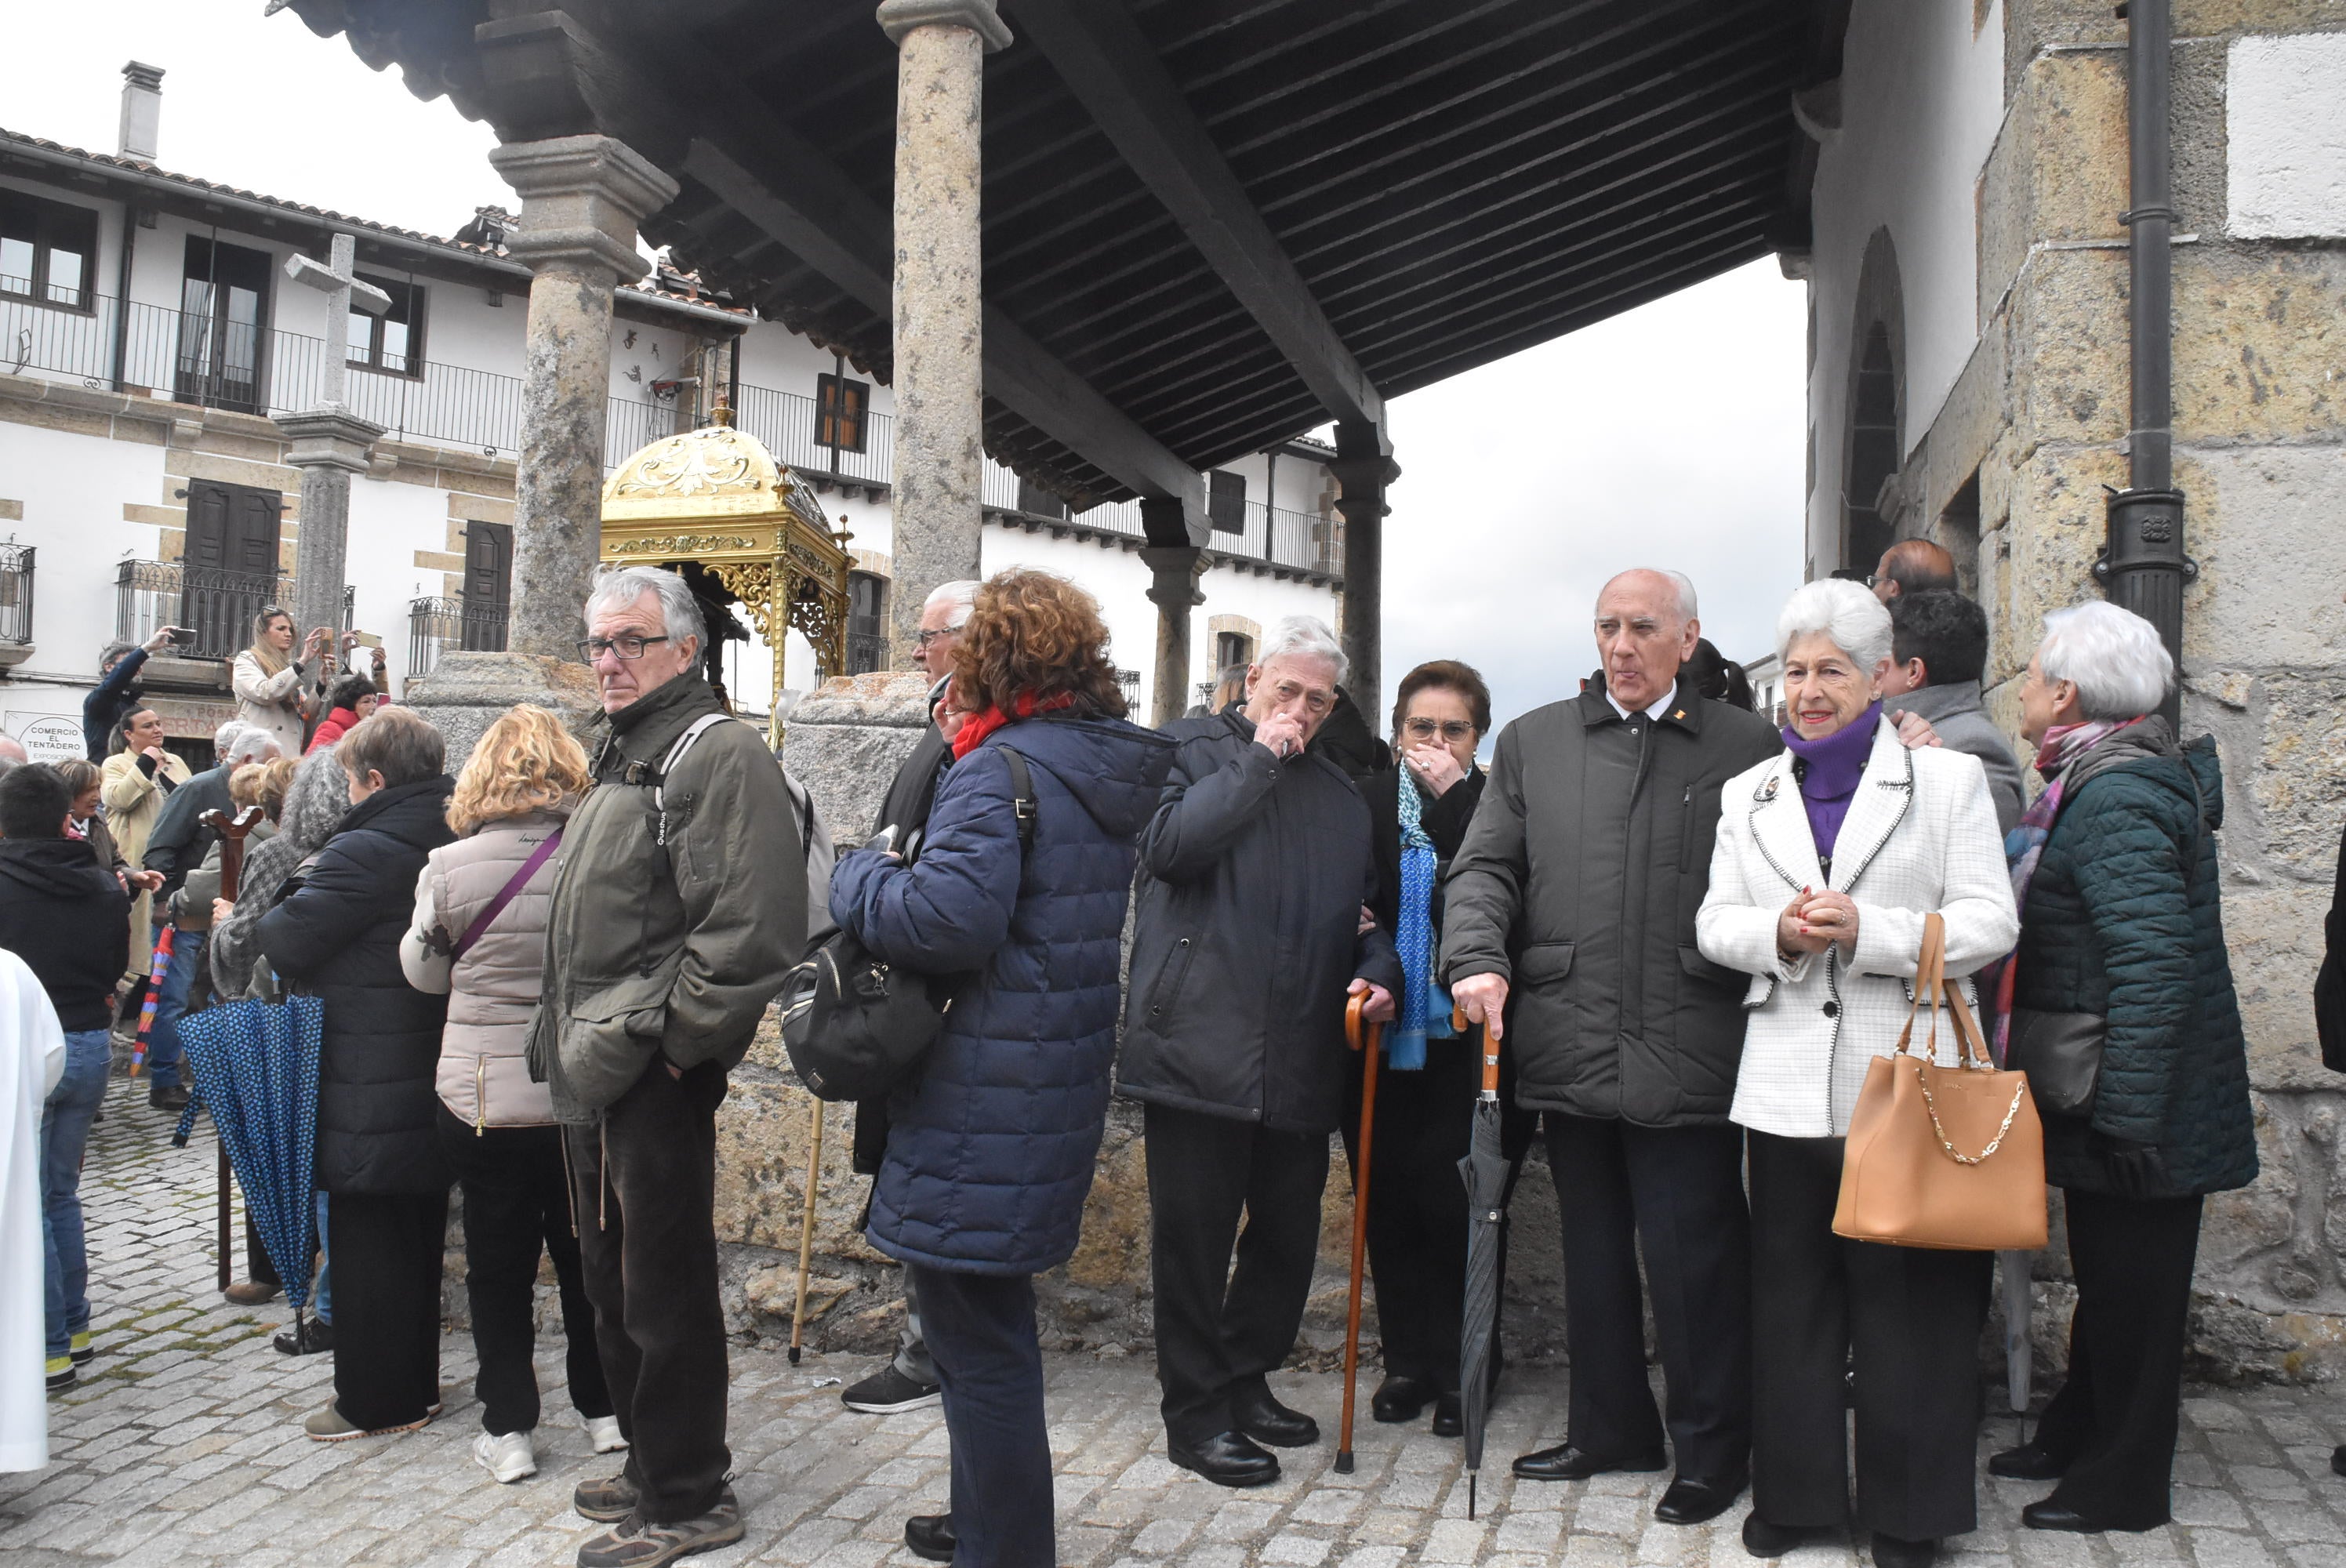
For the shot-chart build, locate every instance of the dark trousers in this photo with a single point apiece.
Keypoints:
(1417, 1206)
(516, 1206)
(1678, 1191)
(2114, 1421)
(644, 1180)
(1216, 1339)
(980, 1331)
(1907, 1318)
(387, 1265)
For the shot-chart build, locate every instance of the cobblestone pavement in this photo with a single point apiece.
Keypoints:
(184, 1446)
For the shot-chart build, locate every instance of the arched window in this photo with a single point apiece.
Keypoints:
(867, 620)
(1872, 452)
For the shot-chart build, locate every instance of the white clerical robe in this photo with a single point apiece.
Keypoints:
(32, 1060)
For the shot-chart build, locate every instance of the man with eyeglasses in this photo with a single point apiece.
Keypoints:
(909, 1380)
(679, 906)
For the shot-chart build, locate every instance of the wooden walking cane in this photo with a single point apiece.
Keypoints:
(1361, 1035)
(231, 831)
(806, 1237)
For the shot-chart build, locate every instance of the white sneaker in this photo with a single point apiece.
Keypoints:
(506, 1456)
(604, 1431)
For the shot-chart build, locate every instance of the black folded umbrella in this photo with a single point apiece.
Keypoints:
(1485, 1169)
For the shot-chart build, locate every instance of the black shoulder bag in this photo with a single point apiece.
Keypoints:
(855, 1025)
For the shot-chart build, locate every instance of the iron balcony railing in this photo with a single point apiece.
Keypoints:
(216, 606)
(438, 626)
(15, 593)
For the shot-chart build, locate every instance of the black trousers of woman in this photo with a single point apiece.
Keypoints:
(1907, 1318)
(387, 1265)
(517, 1207)
(2114, 1421)
(981, 1330)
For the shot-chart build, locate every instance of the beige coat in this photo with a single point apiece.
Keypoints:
(483, 1077)
(133, 801)
(279, 703)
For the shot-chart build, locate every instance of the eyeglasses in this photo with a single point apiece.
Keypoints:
(626, 646)
(925, 638)
(1455, 730)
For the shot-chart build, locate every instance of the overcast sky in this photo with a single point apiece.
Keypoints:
(1672, 435)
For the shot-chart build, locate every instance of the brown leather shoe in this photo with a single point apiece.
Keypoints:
(251, 1292)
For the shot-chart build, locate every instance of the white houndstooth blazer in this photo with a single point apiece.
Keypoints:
(1920, 835)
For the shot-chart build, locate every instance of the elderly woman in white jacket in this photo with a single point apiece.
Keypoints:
(1829, 858)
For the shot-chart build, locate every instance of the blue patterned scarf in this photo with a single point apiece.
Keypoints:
(1424, 1006)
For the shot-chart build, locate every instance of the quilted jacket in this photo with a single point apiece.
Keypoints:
(991, 1148)
(2124, 918)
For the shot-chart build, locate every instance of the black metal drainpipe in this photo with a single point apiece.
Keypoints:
(2144, 567)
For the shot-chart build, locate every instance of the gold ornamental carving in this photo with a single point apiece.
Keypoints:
(682, 545)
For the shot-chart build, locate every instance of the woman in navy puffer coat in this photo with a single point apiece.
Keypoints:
(991, 1148)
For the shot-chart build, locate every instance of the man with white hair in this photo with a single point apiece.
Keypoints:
(1568, 932)
(1247, 946)
(909, 1380)
(11, 754)
(679, 906)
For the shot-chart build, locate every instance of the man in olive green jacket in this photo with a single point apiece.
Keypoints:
(679, 906)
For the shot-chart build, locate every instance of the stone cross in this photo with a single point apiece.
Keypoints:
(342, 286)
(329, 444)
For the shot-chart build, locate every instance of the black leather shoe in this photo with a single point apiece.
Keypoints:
(2026, 1464)
(2051, 1516)
(314, 1337)
(1566, 1462)
(1692, 1500)
(930, 1536)
(1399, 1399)
(1449, 1416)
(1265, 1420)
(1762, 1539)
(1890, 1551)
(1226, 1459)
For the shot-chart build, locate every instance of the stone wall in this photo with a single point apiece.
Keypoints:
(2039, 419)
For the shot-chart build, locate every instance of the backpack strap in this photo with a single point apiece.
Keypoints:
(1022, 784)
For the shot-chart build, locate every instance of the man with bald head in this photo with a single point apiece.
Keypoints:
(1568, 934)
(1912, 567)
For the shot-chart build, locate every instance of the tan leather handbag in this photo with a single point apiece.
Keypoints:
(1949, 1157)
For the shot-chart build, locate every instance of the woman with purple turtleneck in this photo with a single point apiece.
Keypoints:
(1830, 857)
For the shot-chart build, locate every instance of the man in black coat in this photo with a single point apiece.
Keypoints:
(334, 934)
(118, 691)
(1568, 929)
(1248, 943)
(909, 1380)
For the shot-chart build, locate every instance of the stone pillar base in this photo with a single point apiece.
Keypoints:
(846, 741)
(468, 692)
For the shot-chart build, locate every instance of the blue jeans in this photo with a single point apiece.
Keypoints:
(171, 1004)
(66, 1117)
(321, 1300)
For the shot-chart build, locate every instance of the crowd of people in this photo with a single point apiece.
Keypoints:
(1684, 929)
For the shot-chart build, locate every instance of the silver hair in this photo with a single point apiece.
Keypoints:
(1684, 583)
(1304, 637)
(316, 801)
(2121, 668)
(225, 735)
(619, 587)
(1844, 613)
(248, 744)
(962, 595)
(11, 754)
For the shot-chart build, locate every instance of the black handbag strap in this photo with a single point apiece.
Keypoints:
(1022, 787)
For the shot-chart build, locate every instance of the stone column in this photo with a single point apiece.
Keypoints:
(581, 197)
(1363, 467)
(1173, 571)
(329, 445)
(939, 377)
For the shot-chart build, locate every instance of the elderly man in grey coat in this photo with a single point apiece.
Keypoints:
(1938, 650)
(1568, 932)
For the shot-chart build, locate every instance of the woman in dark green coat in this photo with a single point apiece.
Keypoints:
(2122, 937)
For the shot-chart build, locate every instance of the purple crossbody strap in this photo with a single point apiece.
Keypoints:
(519, 881)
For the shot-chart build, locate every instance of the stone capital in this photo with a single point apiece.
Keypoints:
(581, 198)
(330, 436)
(898, 17)
(1174, 574)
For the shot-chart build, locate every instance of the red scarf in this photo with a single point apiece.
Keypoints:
(978, 726)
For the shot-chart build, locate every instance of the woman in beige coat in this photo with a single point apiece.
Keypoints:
(136, 780)
(275, 691)
(479, 936)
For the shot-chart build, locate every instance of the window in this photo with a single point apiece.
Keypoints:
(839, 405)
(227, 566)
(223, 331)
(867, 611)
(1233, 650)
(1873, 452)
(392, 342)
(1226, 501)
(48, 251)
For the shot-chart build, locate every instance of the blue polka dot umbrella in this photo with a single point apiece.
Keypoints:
(255, 1067)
